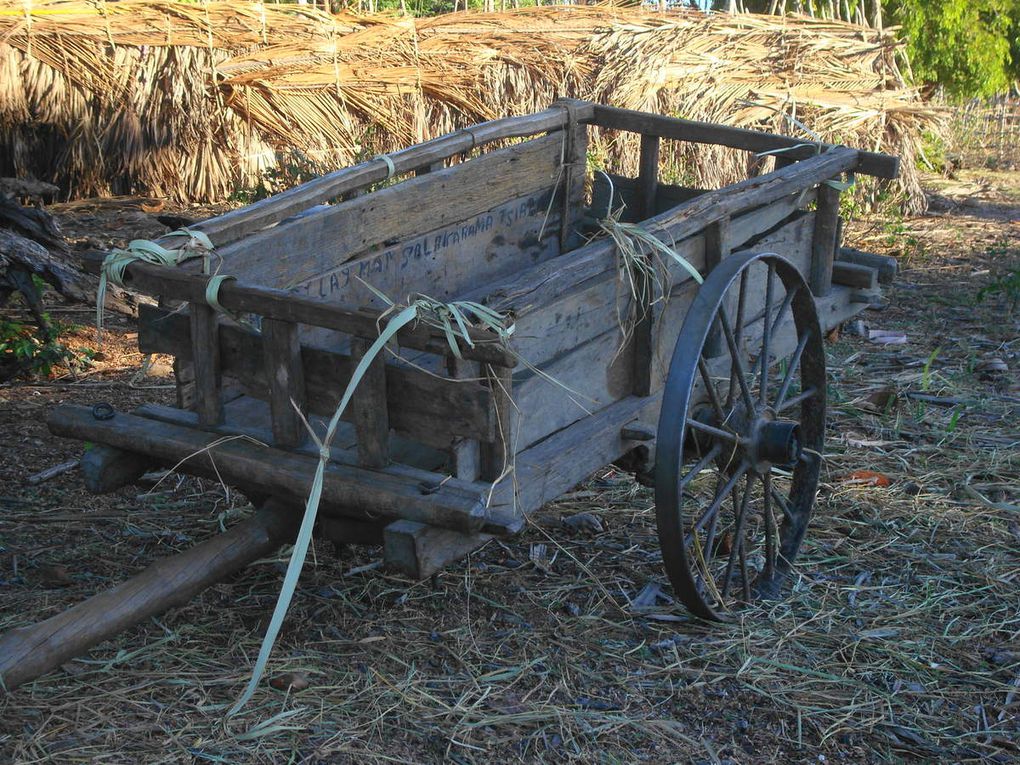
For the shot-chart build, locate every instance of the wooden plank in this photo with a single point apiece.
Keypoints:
(869, 163)
(236, 224)
(267, 302)
(495, 453)
(544, 284)
(368, 408)
(289, 254)
(205, 357)
(886, 266)
(854, 275)
(444, 262)
(419, 551)
(575, 163)
(824, 242)
(419, 405)
(286, 377)
(347, 489)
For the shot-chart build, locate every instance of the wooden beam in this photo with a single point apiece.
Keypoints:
(648, 182)
(496, 454)
(419, 551)
(347, 489)
(29, 652)
(868, 163)
(286, 376)
(886, 265)
(205, 355)
(823, 243)
(368, 408)
(854, 275)
(575, 160)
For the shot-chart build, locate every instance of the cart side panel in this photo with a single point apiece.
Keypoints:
(385, 228)
(597, 366)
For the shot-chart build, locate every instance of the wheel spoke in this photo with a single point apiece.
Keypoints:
(712, 394)
(784, 307)
(741, 306)
(712, 510)
(800, 398)
(737, 364)
(725, 435)
(699, 466)
(744, 578)
(738, 538)
(783, 504)
(770, 525)
(784, 387)
(766, 332)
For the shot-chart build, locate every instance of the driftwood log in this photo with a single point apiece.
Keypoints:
(29, 652)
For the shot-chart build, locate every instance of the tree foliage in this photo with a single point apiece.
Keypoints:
(962, 45)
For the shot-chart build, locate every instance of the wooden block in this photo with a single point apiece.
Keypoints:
(205, 357)
(854, 275)
(107, 469)
(418, 551)
(286, 376)
(886, 266)
(465, 453)
(368, 408)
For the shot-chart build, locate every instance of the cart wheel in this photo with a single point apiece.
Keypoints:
(738, 452)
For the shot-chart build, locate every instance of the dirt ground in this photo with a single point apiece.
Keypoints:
(900, 640)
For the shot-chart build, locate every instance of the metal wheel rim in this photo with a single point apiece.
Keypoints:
(673, 519)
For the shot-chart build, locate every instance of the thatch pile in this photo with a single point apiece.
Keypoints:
(195, 101)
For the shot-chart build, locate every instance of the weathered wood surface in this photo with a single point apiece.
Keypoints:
(285, 375)
(395, 220)
(552, 466)
(411, 461)
(347, 489)
(106, 469)
(544, 284)
(29, 652)
(419, 405)
(869, 163)
(205, 357)
(825, 241)
(175, 284)
(575, 163)
(886, 266)
(641, 334)
(562, 339)
(854, 275)
(369, 409)
(419, 551)
(235, 224)
(495, 455)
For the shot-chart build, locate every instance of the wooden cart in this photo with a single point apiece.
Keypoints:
(714, 391)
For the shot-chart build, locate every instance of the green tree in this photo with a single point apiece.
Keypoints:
(962, 45)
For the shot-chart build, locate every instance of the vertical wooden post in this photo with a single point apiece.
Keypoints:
(281, 347)
(368, 408)
(494, 455)
(648, 183)
(823, 242)
(717, 247)
(575, 160)
(465, 453)
(205, 345)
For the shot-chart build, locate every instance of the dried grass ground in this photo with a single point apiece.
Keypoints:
(901, 639)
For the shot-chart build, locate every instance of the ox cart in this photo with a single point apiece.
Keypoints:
(695, 359)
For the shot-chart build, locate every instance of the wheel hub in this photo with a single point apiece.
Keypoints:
(764, 440)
